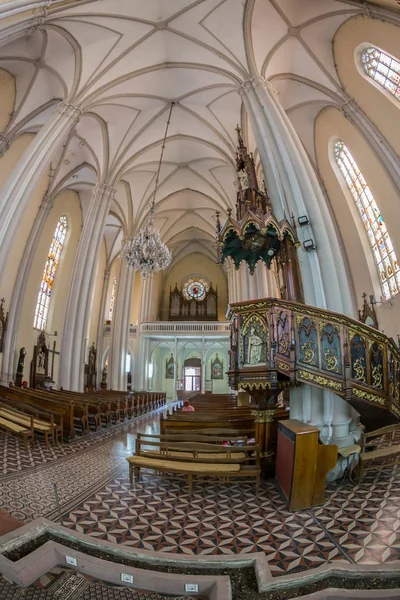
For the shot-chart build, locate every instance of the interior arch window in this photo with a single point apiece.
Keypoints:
(383, 68)
(379, 239)
(112, 301)
(49, 273)
(195, 288)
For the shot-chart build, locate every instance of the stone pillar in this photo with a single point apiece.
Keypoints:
(294, 188)
(243, 289)
(100, 328)
(72, 357)
(8, 366)
(230, 272)
(253, 287)
(16, 193)
(176, 364)
(146, 302)
(120, 328)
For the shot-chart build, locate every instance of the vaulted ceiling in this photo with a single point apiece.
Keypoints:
(124, 61)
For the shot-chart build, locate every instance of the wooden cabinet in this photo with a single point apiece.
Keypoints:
(302, 464)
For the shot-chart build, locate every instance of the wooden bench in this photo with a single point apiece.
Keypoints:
(28, 421)
(18, 430)
(51, 417)
(195, 459)
(372, 456)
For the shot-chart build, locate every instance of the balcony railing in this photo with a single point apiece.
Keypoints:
(188, 327)
(176, 328)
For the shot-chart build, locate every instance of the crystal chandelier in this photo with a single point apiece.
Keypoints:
(146, 252)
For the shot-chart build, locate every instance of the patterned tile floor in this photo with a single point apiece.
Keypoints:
(64, 584)
(358, 523)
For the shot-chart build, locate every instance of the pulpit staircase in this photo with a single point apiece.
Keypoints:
(308, 345)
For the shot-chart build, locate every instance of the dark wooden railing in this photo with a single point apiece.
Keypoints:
(304, 344)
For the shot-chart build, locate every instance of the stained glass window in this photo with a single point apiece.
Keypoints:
(49, 273)
(112, 302)
(380, 242)
(382, 68)
(195, 288)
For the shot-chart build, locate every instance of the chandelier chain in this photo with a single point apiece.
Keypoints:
(153, 202)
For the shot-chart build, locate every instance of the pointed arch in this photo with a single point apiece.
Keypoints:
(49, 273)
(378, 236)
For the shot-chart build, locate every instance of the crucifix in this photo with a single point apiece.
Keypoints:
(53, 353)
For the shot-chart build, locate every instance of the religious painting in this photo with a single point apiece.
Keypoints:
(169, 367)
(254, 342)
(217, 368)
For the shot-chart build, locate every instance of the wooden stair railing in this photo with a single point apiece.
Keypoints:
(305, 344)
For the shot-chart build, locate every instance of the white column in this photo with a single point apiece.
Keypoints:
(100, 328)
(120, 328)
(72, 357)
(146, 299)
(175, 369)
(243, 283)
(8, 366)
(324, 273)
(261, 274)
(253, 287)
(16, 193)
(203, 366)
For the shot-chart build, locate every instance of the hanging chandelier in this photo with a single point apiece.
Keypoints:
(146, 252)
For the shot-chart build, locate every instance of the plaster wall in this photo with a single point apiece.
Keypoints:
(219, 386)
(379, 105)
(67, 203)
(331, 125)
(196, 264)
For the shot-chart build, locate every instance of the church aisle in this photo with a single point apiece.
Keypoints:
(357, 524)
(77, 469)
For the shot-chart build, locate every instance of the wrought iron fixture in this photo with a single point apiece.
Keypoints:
(145, 251)
(255, 234)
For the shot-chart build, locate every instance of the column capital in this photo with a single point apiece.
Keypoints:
(245, 88)
(65, 108)
(47, 203)
(254, 82)
(103, 189)
(4, 144)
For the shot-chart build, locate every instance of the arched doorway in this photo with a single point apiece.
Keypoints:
(192, 375)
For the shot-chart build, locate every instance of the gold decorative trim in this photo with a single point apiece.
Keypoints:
(363, 395)
(319, 380)
(395, 409)
(282, 366)
(262, 385)
(263, 416)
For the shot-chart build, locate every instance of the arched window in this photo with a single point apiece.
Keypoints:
(381, 244)
(49, 273)
(112, 302)
(383, 68)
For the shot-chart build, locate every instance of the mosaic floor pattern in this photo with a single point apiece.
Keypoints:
(357, 524)
(64, 584)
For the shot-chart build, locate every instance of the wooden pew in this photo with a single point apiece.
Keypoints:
(371, 456)
(62, 406)
(196, 458)
(54, 418)
(38, 426)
